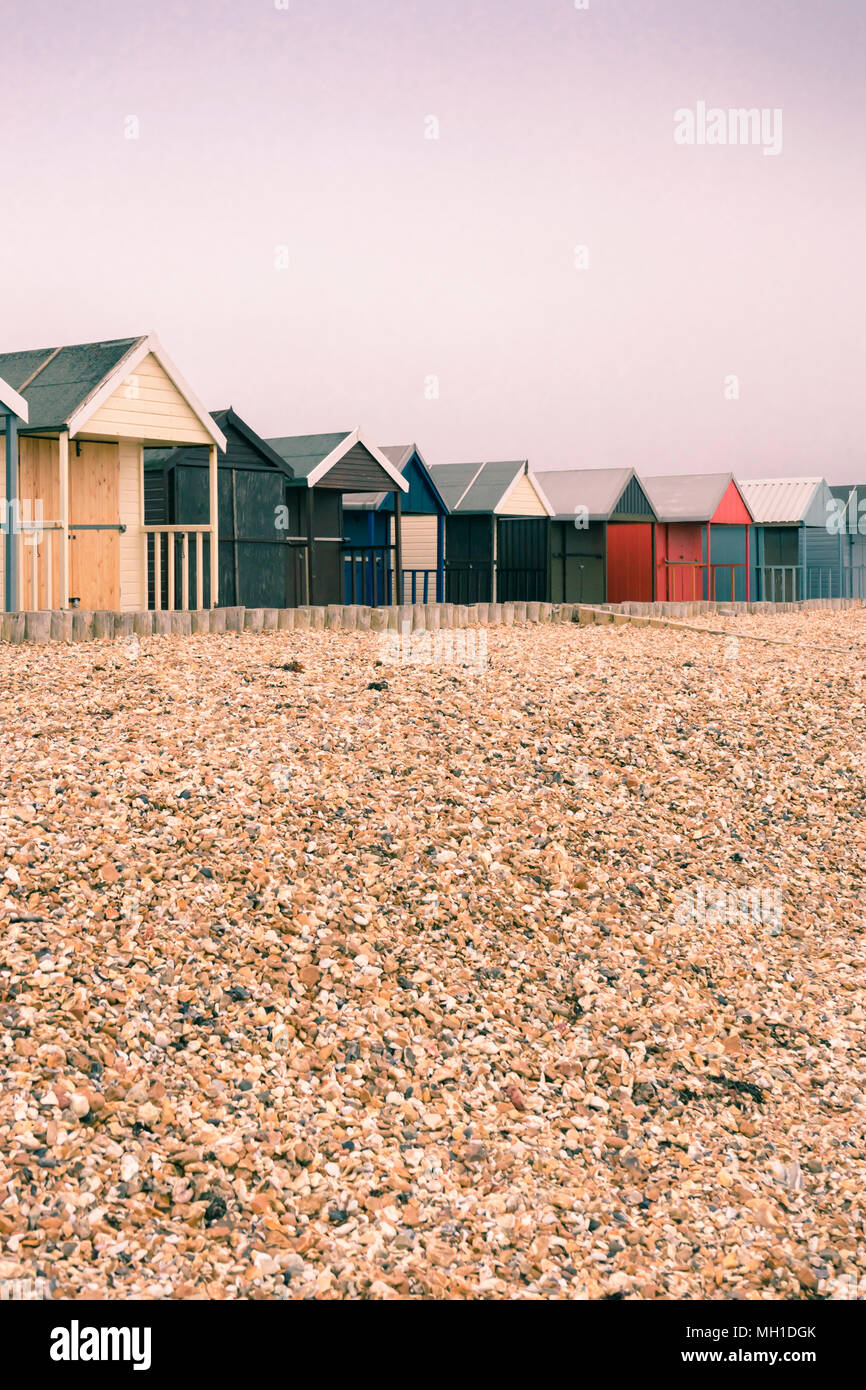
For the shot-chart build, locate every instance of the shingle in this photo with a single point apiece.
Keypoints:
(67, 378)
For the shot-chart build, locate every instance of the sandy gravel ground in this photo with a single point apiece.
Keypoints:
(535, 977)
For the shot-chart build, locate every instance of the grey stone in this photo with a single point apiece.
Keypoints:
(217, 620)
(200, 621)
(286, 619)
(234, 619)
(379, 620)
(161, 623)
(124, 624)
(253, 619)
(269, 619)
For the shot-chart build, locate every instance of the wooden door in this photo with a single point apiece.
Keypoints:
(469, 559)
(577, 562)
(94, 536)
(328, 533)
(39, 494)
(629, 562)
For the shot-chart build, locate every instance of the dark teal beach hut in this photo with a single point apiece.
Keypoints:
(798, 540)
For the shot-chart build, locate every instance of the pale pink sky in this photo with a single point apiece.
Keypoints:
(408, 258)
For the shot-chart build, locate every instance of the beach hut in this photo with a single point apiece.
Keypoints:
(368, 526)
(497, 532)
(702, 537)
(798, 543)
(601, 536)
(91, 410)
(258, 566)
(851, 518)
(325, 468)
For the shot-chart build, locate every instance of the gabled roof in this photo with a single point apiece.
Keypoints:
(453, 480)
(225, 420)
(11, 401)
(311, 456)
(599, 490)
(401, 456)
(688, 496)
(64, 386)
(483, 487)
(786, 501)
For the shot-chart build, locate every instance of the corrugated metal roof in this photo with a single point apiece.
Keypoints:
(597, 489)
(304, 452)
(55, 382)
(686, 496)
(784, 501)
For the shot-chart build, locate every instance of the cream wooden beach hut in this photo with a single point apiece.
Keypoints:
(91, 410)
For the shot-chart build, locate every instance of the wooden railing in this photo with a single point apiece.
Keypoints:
(854, 581)
(694, 577)
(790, 583)
(368, 574)
(420, 586)
(165, 559)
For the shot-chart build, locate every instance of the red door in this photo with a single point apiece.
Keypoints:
(629, 562)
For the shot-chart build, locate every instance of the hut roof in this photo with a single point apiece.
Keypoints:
(311, 456)
(63, 386)
(10, 399)
(400, 455)
(599, 490)
(483, 487)
(786, 501)
(191, 453)
(688, 496)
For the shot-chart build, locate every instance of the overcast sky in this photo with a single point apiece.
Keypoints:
(309, 255)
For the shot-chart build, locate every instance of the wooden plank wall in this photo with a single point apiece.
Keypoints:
(148, 406)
